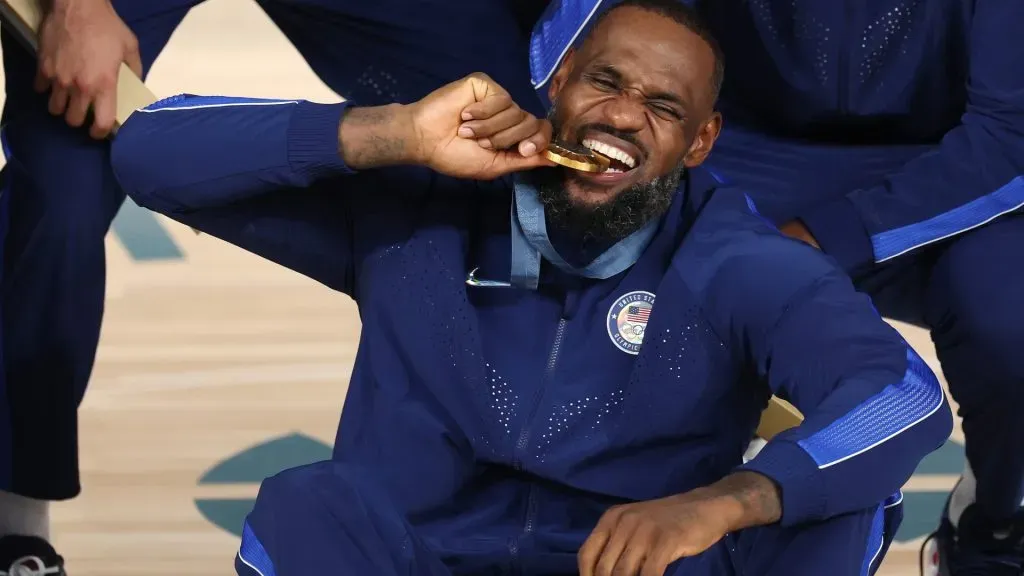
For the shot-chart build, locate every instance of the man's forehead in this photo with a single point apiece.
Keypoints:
(637, 42)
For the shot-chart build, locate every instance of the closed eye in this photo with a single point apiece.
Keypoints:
(665, 111)
(603, 83)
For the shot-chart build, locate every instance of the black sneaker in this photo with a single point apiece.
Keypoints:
(29, 556)
(975, 549)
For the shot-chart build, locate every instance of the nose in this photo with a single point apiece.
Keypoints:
(626, 111)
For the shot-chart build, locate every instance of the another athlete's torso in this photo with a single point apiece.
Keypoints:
(844, 71)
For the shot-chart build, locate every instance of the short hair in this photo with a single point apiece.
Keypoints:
(681, 13)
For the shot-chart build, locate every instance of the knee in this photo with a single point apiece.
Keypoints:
(70, 208)
(324, 514)
(329, 493)
(977, 314)
(315, 486)
(993, 331)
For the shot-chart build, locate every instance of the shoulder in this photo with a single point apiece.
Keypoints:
(732, 252)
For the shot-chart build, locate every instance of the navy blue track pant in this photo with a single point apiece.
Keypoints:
(333, 518)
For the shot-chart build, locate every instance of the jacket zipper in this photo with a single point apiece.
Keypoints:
(549, 368)
(524, 435)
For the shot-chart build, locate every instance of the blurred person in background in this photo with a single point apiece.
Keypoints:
(59, 195)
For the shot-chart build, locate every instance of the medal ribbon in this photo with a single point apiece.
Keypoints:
(530, 242)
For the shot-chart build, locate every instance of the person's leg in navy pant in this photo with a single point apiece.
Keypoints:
(62, 197)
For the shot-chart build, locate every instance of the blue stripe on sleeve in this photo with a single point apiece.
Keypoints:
(190, 101)
(252, 553)
(893, 243)
(895, 409)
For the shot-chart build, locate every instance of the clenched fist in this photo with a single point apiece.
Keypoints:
(469, 129)
(472, 129)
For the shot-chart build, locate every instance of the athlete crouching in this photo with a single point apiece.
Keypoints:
(559, 371)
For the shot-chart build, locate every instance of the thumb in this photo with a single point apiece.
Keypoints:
(134, 60)
(483, 86)
(509, 161)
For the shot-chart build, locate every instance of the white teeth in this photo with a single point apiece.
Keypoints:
(610, 151)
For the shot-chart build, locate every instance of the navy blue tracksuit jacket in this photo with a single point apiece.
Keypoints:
(487, 428)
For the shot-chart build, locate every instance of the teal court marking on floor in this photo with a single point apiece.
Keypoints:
(143, 235)
(920, 515)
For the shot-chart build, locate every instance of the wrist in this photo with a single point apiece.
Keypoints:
(377, 136)
(57, 5)
(747, 499)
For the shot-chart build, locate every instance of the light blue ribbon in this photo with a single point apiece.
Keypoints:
(530, 243)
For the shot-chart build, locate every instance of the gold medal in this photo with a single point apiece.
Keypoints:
(576, 157)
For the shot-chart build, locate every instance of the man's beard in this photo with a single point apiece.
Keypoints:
(609, 221)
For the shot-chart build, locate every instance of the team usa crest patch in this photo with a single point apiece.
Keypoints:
(627, 320)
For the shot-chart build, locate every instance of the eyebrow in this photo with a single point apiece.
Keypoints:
(663, 96)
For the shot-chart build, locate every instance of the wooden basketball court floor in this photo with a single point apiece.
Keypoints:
(217, 369)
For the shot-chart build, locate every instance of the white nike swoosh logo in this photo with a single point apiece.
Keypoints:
(472, 280)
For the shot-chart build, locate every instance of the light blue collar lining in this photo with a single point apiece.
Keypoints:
(530, 242)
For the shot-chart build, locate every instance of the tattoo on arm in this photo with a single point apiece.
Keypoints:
(760, 499)
(374, 136)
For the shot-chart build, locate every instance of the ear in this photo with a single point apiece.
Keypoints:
(561, 75)
(704, 141)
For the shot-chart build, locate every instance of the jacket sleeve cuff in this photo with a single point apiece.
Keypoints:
(839, 231)
(798, 479)
(313, 140)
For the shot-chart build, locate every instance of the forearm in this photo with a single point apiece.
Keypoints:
(749, 498)
(377, 136)
(51, 5)
(193, 152)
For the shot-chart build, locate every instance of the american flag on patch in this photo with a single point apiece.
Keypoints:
(638, 314)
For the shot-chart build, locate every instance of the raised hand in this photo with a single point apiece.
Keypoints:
(471, 128)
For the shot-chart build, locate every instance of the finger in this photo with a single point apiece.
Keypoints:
(538, 141)
(633, 556)
(58, 100)
(104, 109)
(132, 58)
(590, 552)
(657, 561)
(509, 161)
(499, 122)
(528, 162)
(44, 75)
(41, 83)
(511, 137)
(614, 548)
(539, 138)
(77, 109)
(482, 86)
(486, 107)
